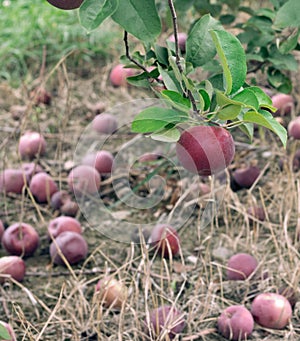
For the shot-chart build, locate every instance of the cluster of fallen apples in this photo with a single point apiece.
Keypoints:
(203, 150)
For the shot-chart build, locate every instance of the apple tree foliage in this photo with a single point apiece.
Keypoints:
(224, 98)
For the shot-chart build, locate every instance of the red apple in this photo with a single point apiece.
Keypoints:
(165, 238)
(182, 37)
(236, 323)
(283, 102)
(32, 144)
(290, 294)
(11, 334)
(20, 239)
(30, 169)
(205, 150)
(13, 266)
(66, 4)
(244, 177)
(42, 187)
(59, 198)
(165, 322)
(102, 161)
(105, 124)
(271, 310)
(41, 96)
(69, 208)
(112, 293)
(118, 75)
(72, 245)
(84, 180)
(12, 181)
(60, 224)
(294, 128)
(257, 212)
(240, 266)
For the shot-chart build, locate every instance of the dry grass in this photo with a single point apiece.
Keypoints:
(60, 303)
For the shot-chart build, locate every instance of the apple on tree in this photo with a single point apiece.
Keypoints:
(66, 4)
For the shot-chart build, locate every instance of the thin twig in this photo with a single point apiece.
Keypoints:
(128, 53)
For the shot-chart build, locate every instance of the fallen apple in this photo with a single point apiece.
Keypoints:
(235, 323)
(12, 181)
(244, 177)
(111, 292)
(105, 123)
(84, 180)
(283, 102)
(32, 144)
(20, 239)
(165, 239)
(42, 187)
(102, 161)
(72, 245)
(205, 150)
(271, 310)
(61, 224)
(13, 266)
(294, 128)
(240, 266)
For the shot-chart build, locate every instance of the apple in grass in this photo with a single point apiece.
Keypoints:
(13, 266)
(240, 266)
(283, 102)
(102, 161)
(111, 292)
(205, 150)
(84, 180)
(294, 128)
(12, 181)
(42, 187)
(235, 323)
(60, 224)
(244, 177)
(72, 245)
(271, 310)
(32, 144)
(20, 239)
(165, 239)
(166, 322)
(105, 123)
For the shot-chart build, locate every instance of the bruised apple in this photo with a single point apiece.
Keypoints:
(61, 224)
(84, 180)
(235, 323)
(13, 266)
(20, 239)
(164, 318)
(105, 123)
(66, 4)
(240, 266)
(205, 150)
(32, 144)
(271, 310)
(42, 187)
(118, 75)
(111, 292)
(72, 245)
(165, 239)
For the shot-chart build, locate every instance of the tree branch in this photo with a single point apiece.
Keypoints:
(128, 53)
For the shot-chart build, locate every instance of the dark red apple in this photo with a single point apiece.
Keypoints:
(290, 294)
(294, 128)
(257, 212)
(102, 161)
(72, 245)
(118, 75)
(205, 150)
(12, 181)
(59, 198)
(41, 96)
(13, 266)
(84, 180)
(165, 238)
(244, 177)
(240, 266)
(42, 187)
(61, 224)
(236, 323)
(66, 4)
(105, 124)
(32, 144)
(20, 239)
(165, 321)
(111, 292)
(69, 208)
(271, 310)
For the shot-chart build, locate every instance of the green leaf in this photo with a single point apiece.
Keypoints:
(93, 12)
(154, 119)
(248, 98)
(176, 98)
(140, 18)
(199, 45)
(288, 15)
(162, 55)
(223, 100)
(233, 59)
(266, 119)
(170, 80)
(229, 112)
(167, 135)
(4, 334)
(247, 129)
(288, 44)
(279, 80)
(206, 98)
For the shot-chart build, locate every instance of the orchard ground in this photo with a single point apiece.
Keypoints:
(59, 302)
